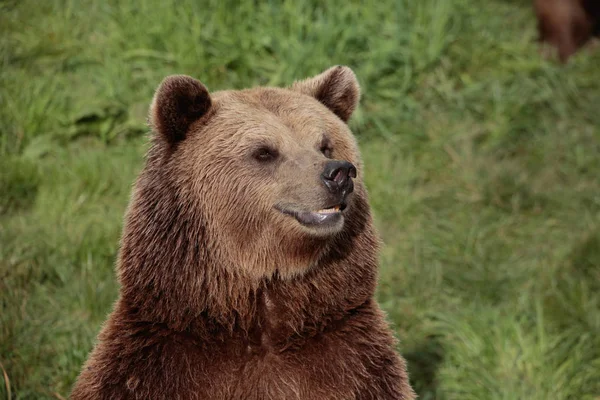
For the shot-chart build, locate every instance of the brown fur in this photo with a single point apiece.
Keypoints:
(222, 296)
(567, 24)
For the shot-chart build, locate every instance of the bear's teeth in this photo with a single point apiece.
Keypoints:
(329, 210)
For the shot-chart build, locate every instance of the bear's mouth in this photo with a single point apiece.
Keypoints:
(323, 217)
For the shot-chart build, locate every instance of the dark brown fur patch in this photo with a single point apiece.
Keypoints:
(567, 24)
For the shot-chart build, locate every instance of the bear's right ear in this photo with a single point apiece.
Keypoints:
(179, 101)
(337, 89)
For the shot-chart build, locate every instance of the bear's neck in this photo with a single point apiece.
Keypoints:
(169, 275)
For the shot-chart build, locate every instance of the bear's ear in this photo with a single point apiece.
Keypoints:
(337, 88)
(179, 101)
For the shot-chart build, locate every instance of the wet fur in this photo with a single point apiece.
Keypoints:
(251, 307)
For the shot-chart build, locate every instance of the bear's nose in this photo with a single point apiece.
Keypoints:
(337, 176)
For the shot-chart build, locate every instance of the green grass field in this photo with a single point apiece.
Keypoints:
(483, 165)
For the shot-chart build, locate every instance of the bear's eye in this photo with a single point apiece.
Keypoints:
(326, 150)
(265, 154)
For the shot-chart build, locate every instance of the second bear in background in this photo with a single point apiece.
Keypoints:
(567, 24)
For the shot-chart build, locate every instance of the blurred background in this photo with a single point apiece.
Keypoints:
(482, 162)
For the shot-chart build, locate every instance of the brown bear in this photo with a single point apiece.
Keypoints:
(248, 258)
(567, 24)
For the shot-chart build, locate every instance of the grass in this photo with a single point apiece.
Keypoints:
(482, 164)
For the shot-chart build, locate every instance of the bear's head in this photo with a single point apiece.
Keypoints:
(245, 185)
(272, 171)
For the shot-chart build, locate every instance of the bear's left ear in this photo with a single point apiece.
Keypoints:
(179, 101)
(337, 88)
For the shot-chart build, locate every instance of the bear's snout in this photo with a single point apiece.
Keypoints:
(337, 177)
